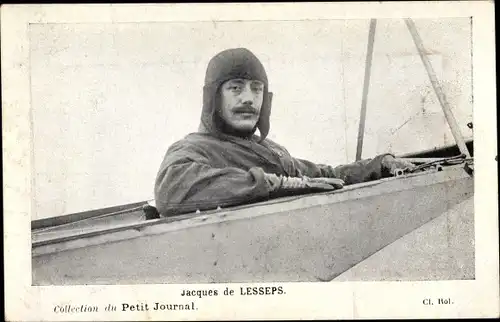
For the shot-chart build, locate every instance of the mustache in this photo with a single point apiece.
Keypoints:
(245, 109)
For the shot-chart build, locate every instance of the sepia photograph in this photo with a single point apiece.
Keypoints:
(252, 151)
(211, 151)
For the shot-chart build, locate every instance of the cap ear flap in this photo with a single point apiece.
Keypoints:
(207, 123)
(265, 116)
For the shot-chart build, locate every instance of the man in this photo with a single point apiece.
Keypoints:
(226, 164)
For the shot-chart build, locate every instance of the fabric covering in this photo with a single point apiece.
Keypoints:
(212, 168)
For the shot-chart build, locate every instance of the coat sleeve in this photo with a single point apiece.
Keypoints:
(187, 182)
(356, 172)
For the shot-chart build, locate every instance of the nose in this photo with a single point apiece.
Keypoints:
(247, 96)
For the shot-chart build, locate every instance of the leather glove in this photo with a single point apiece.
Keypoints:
(303, 183)
(390, 164)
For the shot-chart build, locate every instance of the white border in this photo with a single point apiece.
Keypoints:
(478, 298)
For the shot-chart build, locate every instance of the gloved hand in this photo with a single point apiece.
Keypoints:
(390, 164)
(334, 182)
(291, 184)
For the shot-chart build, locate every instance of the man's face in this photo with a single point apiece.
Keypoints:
(241, 101)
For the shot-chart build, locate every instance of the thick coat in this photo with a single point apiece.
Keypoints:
(204, 172)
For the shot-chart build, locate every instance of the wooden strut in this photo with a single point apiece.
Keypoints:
(452, 122)
(368, 67)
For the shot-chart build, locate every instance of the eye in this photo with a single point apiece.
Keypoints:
(257, 87)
